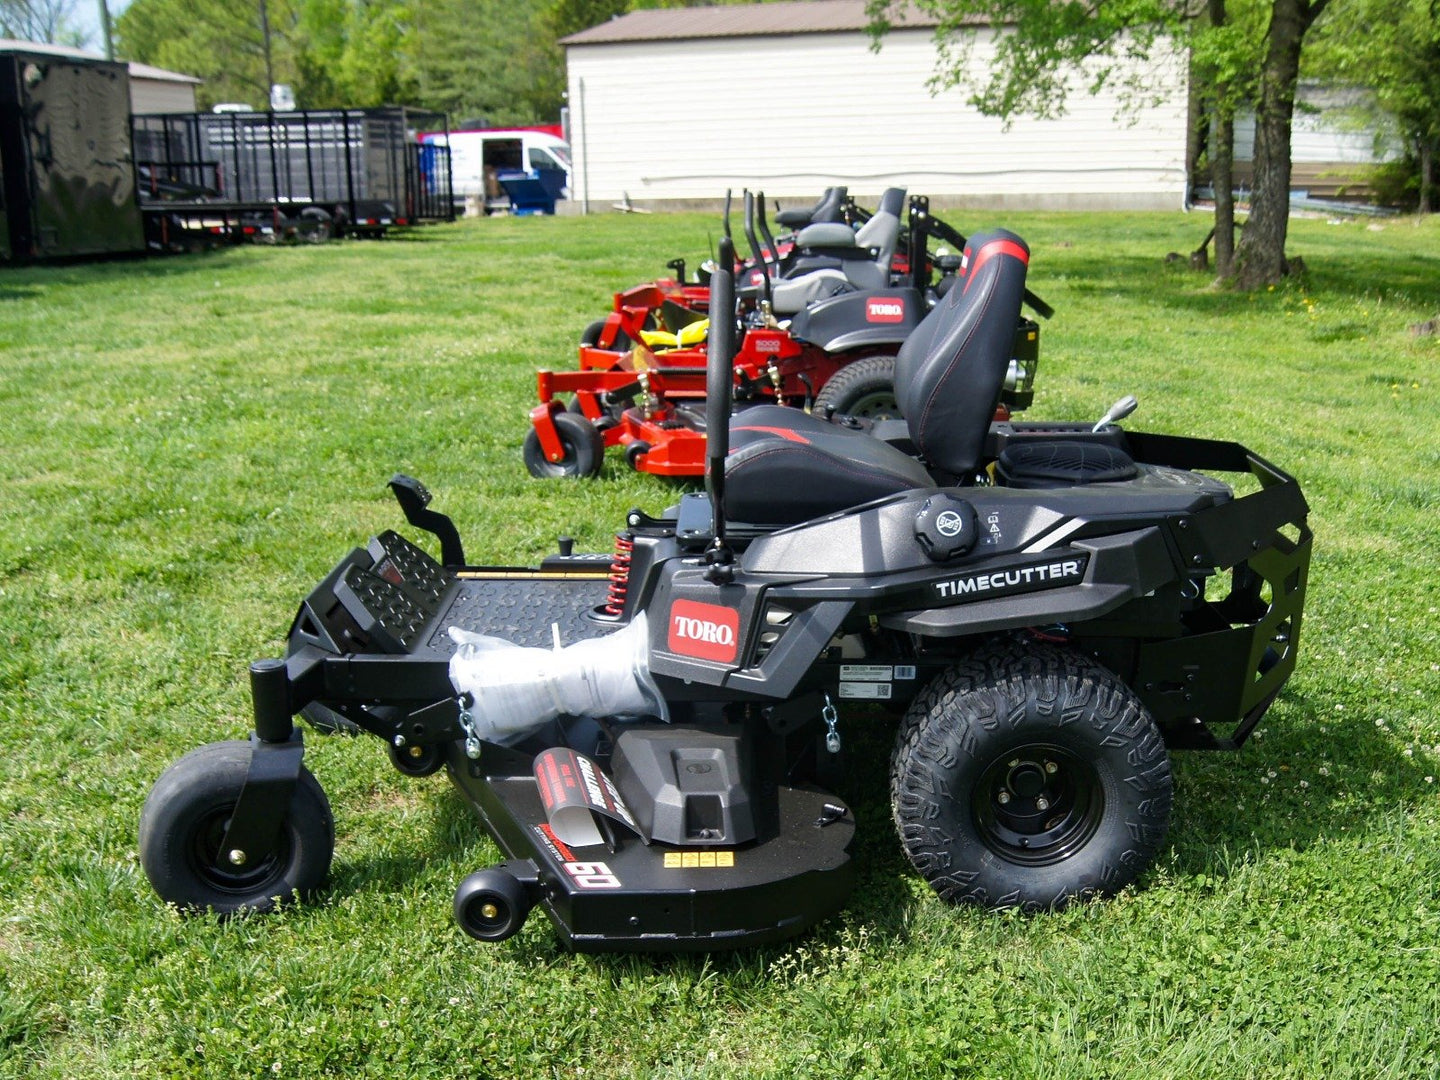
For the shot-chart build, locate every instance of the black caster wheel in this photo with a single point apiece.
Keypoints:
(184, 822)
(491, 905)
(582, 446)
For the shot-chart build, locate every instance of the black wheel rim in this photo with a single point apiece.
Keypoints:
(213, 869)
(876, 405)
(1037, 804)
(566, 466)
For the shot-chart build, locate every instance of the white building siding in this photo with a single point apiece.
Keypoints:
(1328, 128)
(683, 120)
(149, 96)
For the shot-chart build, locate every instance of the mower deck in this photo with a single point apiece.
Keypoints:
(633, 896)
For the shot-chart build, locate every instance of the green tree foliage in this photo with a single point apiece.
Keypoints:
(218, 41)
(1393, 48)
(1037, 60)
(496, 61)
(487, 59)
(467, 58)
(1045, 42)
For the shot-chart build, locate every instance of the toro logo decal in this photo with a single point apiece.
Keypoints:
(705, 631)
(885, 309)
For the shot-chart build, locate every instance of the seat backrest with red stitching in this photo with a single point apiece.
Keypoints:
(950, 371)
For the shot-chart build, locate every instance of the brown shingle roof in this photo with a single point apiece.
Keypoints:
(737, 20)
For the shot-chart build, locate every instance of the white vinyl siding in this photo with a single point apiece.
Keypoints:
(148, 96)
(1330, 127)
(683, 120)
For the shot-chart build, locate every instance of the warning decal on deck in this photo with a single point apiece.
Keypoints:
(698, 860)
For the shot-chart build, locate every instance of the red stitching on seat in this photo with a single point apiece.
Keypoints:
(784, 433)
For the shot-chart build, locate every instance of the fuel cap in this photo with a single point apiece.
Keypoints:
(946, 526)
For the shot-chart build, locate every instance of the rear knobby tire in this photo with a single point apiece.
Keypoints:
(581, 442)
(185, 819)
(864, 388)
(1030, 777)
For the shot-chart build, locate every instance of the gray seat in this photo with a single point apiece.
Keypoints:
(791, 295)
(881, 233)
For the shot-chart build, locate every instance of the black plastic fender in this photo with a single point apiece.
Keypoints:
(857, 319)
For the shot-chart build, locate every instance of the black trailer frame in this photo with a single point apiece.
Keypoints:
(332, 171)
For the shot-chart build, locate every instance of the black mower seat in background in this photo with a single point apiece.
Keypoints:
(786, 466)
(829, 207)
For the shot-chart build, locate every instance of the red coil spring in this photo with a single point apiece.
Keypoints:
(619, 574)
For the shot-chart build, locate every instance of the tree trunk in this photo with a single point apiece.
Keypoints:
(1222, 178)
(1222, 163)
(1261, 254)
(1427, 177)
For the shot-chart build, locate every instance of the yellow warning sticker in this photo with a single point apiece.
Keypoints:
(698, 860)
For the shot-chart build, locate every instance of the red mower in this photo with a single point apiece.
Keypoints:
(824, 338)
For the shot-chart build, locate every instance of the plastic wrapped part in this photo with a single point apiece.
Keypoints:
(516, 689)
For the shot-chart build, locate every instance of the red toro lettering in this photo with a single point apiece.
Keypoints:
(705, 631)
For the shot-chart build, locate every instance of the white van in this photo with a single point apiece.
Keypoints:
(476, 157)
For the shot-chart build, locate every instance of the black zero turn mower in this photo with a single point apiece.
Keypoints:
(1054, 607)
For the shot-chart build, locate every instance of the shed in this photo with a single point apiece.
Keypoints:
(1335, 142)
(671, 106)
(152, 89)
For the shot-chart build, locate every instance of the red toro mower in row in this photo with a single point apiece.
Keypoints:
(823, 338)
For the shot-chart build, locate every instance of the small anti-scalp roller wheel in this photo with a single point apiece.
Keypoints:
(186, 818)
(416, 760)
(635, 452)
(491, 904)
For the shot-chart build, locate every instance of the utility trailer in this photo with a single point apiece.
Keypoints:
(80, 176)
(308, 174)
(68, 178)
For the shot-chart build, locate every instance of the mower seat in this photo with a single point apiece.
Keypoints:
(880, 234)
(790, 296)
(882, 231)
(786, 466)
(828, 207)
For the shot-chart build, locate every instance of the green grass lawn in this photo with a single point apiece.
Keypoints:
(191, 443)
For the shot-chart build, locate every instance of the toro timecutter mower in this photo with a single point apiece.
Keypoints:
(641, 383)
(1055, 607)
